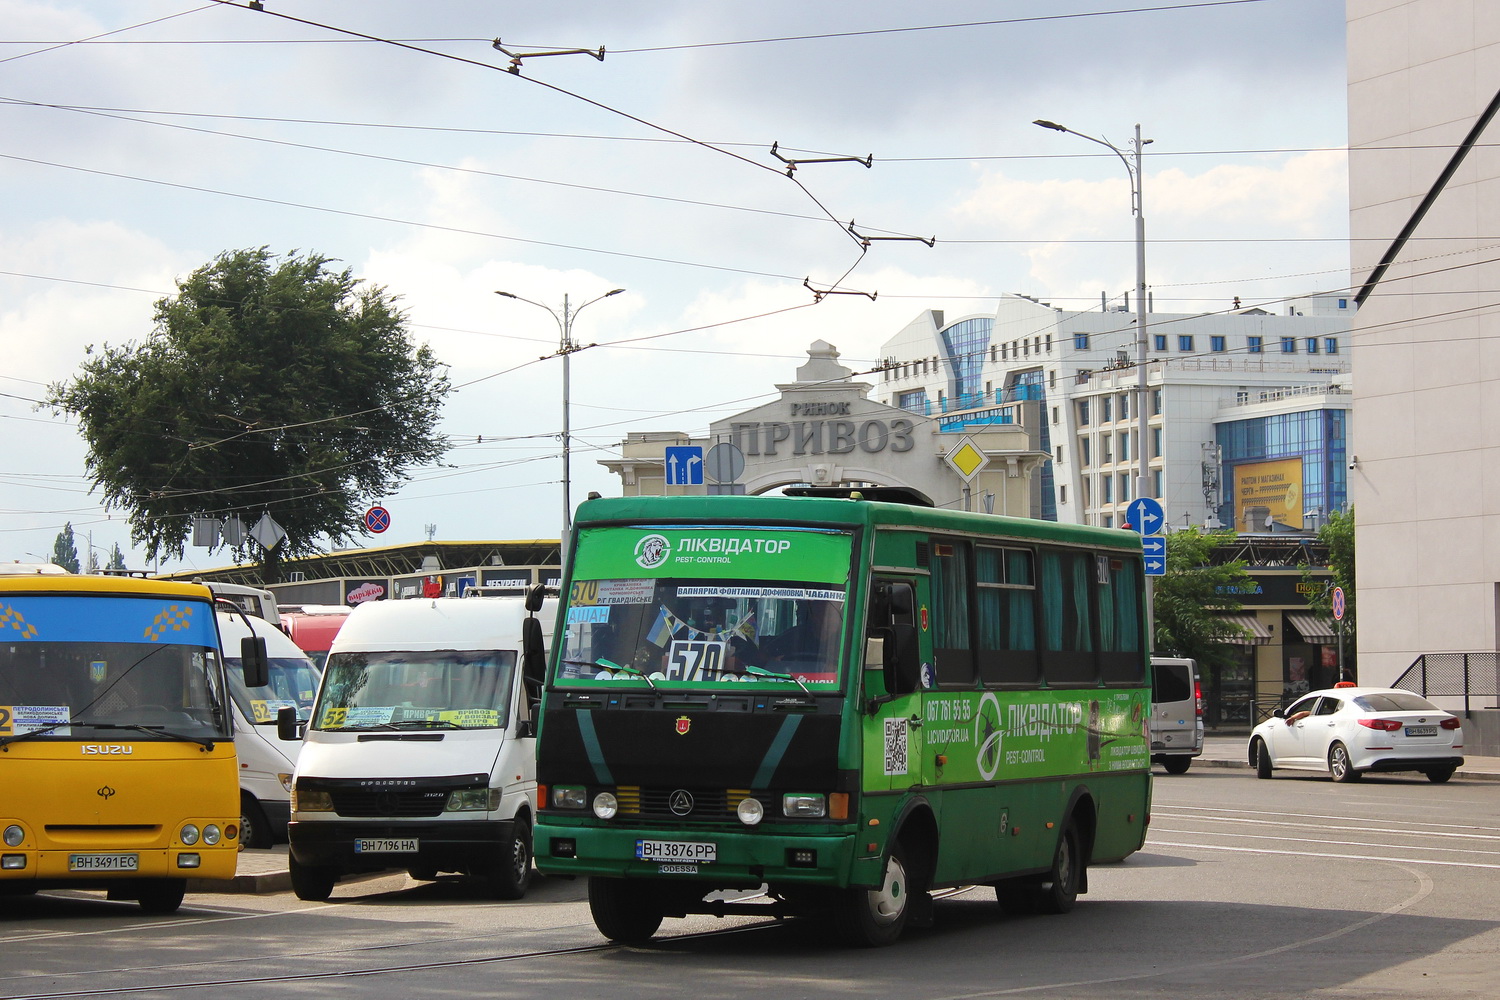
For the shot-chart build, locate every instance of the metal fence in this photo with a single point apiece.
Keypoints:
(1453, 675)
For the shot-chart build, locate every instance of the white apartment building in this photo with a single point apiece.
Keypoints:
(1256, 374)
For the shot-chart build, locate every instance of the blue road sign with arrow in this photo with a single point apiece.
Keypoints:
(1154, 547)
(685, 466)
(1145, 516)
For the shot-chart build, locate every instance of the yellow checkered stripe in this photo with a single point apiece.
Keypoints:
(11, 618)
(173, 618)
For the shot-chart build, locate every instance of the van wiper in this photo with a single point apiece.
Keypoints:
(154, 731)
(417, 723)
(618, 667)
(761, 672)
(42, 731)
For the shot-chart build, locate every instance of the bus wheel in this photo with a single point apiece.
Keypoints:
(625, 910)
(162, 896)
(1059, 890)
(869, 918)
(311, 884)
(511, 875)
(254, 830)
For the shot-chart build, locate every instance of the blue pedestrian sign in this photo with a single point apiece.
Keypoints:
(1154, 548)
(685, 466)
(1145, 516)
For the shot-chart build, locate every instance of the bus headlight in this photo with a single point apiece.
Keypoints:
(311, 800)
(211, 835)
(803, 806)
(606, 805)
(188, 834)
(568, 797)
(14, 835)
(750, 811)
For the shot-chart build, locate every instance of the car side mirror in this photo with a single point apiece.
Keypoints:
(1279, 713)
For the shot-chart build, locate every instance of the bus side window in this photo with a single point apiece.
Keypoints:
(952, 582)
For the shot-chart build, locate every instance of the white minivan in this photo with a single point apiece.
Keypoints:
(421, 750)
(1176, 713)
(266, 760)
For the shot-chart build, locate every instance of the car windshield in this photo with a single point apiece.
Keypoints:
(1395, 701)
(407, 689)
(729, 605)
(293, 682)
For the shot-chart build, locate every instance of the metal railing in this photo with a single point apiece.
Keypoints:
(1453, 675)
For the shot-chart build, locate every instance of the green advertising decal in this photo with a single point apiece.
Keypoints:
(731, 552)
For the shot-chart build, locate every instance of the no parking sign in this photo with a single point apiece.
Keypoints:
(377, 519)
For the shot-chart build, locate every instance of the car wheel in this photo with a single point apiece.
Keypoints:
(311, 883)
(159, 897)
(625, 910)
(1339, 767)
(1260, 756)
(511, 875)
(254, 830)
(1059, 890)
(1438, 775)
(1177, 765)
(870, 918)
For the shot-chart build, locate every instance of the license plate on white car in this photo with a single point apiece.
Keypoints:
(385, 845)
(1421, 730)
(693, 851)
(103, 862)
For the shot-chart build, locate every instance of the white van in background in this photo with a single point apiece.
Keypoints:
(1176, 713)
(266, 761)
(421, 750)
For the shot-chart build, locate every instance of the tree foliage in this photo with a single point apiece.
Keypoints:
(65, 549)
(1189, 597)
(1338, 534)
(116, 558)
(268, 385)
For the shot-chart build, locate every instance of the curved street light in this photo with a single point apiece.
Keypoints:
(565, 347)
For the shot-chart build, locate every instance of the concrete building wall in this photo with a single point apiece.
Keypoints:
(1426, 485)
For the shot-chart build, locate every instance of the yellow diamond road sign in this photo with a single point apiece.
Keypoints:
(967, 459)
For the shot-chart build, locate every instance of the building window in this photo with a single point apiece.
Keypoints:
(1108, 484)
(1288, 345)
(1125, 446)
(1156, 483)
(1049, 343)
(1081, 341)
(1054, 414)
(1059, 455)
(1109, 521)
(1331, 345)
(1217, 345)
(1084, 452)
(1124, 487)
(1083, 413)
(1104, 449)
(1160, 341)
(1312, 345)
(1343, 303)
(1106, 409)
(1124, 407)
(1156, 445)
(1185, 342)
(1156, 401)
(1062, 493)
(1254, 344)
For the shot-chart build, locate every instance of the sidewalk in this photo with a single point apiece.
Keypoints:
(1232, 750)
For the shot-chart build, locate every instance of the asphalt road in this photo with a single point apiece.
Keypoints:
(1295, 887)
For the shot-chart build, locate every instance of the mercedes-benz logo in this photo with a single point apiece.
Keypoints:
(386, 802)
(105, 792)
(680, 802)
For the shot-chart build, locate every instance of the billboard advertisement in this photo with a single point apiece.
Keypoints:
(1273, 487)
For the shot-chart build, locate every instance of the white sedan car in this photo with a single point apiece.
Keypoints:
(1350, 730)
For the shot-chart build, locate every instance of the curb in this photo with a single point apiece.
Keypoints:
(1245, 765)
(260, 882)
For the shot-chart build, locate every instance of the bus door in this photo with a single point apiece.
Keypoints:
(893, 687)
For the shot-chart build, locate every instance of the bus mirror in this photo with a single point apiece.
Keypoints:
(254, 661)
(902, 671)
(533, 657)
(287, 726)
(534, 597)
(900, 600)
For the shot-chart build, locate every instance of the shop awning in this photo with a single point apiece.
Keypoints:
(1313, 629)
(1259, 635)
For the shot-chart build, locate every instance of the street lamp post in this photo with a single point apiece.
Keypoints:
(1142, 483)
(565, 347)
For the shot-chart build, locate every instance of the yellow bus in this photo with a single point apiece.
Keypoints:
(117, 762)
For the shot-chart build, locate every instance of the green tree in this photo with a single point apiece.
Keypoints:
(116, 558)
(271, 385)
(65, 550)
(1338, 535)
(1187, 600)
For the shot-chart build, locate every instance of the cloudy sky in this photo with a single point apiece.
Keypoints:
(143, 139)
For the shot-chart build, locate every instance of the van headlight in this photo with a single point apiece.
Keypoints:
(569, 797)
(472, 800)
(801, 806)
(311, 800)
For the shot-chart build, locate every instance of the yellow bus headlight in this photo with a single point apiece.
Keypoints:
(14, 835)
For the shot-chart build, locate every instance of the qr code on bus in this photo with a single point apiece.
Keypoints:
(895, 746)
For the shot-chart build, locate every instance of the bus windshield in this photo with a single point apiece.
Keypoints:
(416, 689)
(147, 666)
(293, 682)
(730, 605)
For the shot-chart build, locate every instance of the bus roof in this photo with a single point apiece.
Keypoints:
(110, 585)
(851, 512)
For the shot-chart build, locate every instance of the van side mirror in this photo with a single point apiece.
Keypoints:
(287, 726)
(525, 729)
(534, 596)
(533, 657)
(254, 661)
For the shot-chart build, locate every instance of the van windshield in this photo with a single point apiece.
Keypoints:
(416, 689)
(293, 682)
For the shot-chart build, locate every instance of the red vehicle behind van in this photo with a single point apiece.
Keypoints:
(313, 629)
